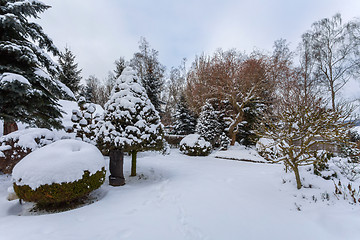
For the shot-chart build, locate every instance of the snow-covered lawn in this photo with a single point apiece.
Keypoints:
(181, 197)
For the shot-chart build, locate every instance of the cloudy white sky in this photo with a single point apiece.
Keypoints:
(99, 32)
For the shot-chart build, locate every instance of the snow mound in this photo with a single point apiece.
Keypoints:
(62, 161)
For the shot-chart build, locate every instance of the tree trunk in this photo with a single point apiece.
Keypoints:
(297, 176)
(116, 177)
(333, 100)
(133, 163)
(233, 139)
(9, 127)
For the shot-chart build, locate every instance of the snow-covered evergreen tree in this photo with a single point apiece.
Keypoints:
(120, 65)
(85, 121)
(150, 72)
(185, 120)
(252, 114)
(224, 141)
(27, 92)
(208, 125)
(130, 122)
(69, 73)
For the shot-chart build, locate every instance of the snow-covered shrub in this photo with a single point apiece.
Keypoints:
(267, 148)
(208, 125)
(195, 145)
(16, 145)
(59, 173)
(348, 168)
(85, 121)
(224, 142)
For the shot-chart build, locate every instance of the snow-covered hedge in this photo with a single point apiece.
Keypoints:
(60, 172)
(16, 145)
(195, 145)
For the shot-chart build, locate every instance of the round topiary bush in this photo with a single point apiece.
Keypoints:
(59, 173)
(195, 145)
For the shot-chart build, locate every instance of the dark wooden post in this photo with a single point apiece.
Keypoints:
(116, 177)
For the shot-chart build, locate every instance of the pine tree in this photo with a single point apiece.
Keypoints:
(150, 72)
(130, 122)
(185, 120)
(208, 125)
(120, 65)
(69, 73)
(252, 113)
(27, 92)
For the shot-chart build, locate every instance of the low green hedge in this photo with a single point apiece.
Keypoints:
(61, 193)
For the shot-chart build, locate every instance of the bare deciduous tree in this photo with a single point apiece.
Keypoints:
(302, 131)
(230, 77)
(335, 51)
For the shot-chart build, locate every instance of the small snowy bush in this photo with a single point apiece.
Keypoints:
(85, 121)
(16, 145)
(267, 148)
(59, 173)
(348, 168)
(224, 142)
(194, 145)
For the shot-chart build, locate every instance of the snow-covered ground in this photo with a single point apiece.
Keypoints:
(182, 197)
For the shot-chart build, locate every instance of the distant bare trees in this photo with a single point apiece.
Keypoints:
(332, 47)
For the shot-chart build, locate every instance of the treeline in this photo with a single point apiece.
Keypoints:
(241, 83)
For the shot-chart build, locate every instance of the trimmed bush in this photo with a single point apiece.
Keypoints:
(61, 193)
(59, 173)
(194, 145)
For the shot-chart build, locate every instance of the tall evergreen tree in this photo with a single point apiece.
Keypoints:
(120, 65)
(69, 73)
(27, 91)
(185, 120)
(252, 114)
(150, 71)
(208, 124)
(130, 122)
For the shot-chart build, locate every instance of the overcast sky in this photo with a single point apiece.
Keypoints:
(99, 32)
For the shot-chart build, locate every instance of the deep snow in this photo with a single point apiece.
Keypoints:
(182, 197)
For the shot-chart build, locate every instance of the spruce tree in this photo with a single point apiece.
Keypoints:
(27, 92)
(185, 120)
(130, 122)
(150, 71)
(69, 73)
(252, 114)
(208, 125)
(120, 65)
